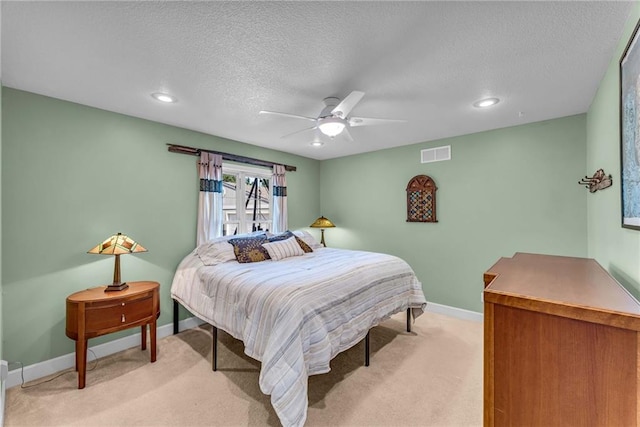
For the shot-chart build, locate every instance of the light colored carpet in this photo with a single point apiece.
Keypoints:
(430, 377)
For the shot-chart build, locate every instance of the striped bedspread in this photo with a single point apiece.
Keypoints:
(296, 314)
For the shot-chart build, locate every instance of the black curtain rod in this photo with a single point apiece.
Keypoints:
(182, 149)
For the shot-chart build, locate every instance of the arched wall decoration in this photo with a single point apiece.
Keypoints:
(421, 199)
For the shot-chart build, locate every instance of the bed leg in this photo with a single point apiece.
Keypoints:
(366, 349)
(214, 349)
(409, 319)
(175, 317)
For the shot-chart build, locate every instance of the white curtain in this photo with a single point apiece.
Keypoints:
(279, 184)
(210, 199)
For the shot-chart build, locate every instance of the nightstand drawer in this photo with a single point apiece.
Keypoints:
(101, 317)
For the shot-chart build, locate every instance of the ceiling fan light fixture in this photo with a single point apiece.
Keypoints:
(164, 97)
(331, 126)
(487, 102)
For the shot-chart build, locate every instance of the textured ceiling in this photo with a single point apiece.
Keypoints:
(425, 62)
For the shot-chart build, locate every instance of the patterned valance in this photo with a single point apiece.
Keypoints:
(210, 185)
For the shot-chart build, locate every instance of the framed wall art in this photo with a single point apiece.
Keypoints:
(421, 199)
(630, 132)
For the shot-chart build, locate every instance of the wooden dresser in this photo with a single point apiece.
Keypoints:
(561, 344)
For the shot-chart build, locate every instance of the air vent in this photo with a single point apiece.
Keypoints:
(436, 154)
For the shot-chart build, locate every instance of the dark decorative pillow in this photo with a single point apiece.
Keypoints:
(282, 236)
(250, 249)
(306, 248)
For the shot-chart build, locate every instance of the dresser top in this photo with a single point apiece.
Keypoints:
(579, 282)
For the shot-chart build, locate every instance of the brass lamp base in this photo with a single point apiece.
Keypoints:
(116, 287)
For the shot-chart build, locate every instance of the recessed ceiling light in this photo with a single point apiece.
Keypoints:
(164, 97)
(487, 102)
(317, 144)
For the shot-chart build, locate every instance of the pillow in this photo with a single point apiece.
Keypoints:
(305, 248)
(282, 236)
(249, 248)
(287, 234)
(281, 249)
(216, 252)
(219, 250)
(308, 239)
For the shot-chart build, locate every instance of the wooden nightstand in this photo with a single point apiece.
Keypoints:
(93, 312)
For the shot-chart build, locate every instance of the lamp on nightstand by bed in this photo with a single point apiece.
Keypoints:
(117, 245)
(322, 223)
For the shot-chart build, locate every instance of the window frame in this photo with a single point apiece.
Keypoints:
(242, 172)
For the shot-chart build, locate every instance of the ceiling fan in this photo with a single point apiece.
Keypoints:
(334, 118)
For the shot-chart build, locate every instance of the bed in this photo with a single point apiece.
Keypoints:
(297, 313)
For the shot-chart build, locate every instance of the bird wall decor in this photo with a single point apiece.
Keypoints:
(597, 182)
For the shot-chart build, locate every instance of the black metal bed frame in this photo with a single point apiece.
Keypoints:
(214, 336)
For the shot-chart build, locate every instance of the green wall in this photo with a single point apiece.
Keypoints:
(1, 290)
(72, 176)
(504, 191)
(617, 249)
(1, 323)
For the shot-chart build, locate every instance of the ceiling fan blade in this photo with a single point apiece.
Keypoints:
(347, 134)
(366, 121)
(298, 131)
(346, 105)
(295, 116)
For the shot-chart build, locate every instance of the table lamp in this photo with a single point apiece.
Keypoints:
(117, 245)
(322, 223)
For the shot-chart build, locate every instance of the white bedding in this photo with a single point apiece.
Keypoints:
(294, 315)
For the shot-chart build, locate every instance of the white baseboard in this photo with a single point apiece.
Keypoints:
(51, 366)
(458, 313)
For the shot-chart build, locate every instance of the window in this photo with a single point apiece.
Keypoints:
(247, 198)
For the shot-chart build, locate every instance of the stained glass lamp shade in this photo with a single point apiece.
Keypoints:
(322, 223)
(118, 244)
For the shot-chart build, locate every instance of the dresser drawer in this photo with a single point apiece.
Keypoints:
(118, 315)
